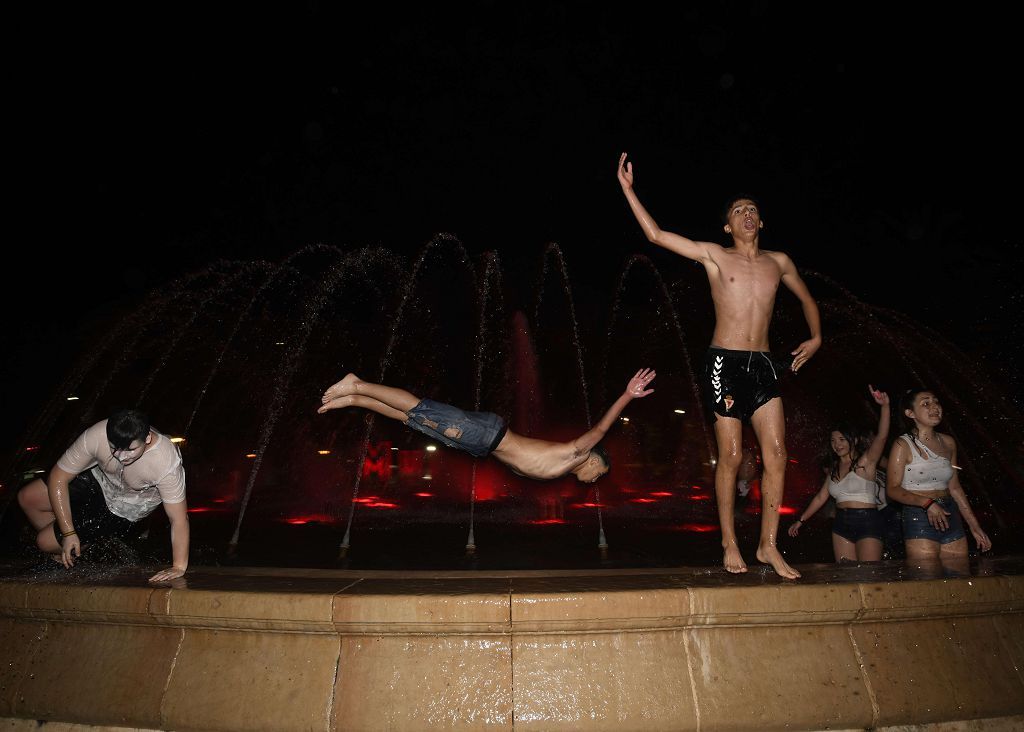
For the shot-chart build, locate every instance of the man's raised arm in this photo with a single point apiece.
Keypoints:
(635, 389)
(698, 250)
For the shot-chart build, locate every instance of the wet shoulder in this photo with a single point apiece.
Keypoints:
(162, 458)
(95, 440)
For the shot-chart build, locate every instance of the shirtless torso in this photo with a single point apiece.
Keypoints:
(740, 375)
(538, 459)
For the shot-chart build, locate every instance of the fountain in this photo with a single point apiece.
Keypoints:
(346, 557)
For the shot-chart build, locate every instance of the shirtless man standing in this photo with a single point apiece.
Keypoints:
(482, 433)
(740, 381)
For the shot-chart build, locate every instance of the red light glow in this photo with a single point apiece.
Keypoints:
(587, 505)
(310, 518)
(425, 495)
(787, 509)
(543, 522)
(699, 528)
(662, 494)
(378, 460)
(643, 500)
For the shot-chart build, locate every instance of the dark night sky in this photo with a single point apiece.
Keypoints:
(879, 140)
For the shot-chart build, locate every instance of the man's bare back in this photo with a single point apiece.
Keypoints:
(740, 380)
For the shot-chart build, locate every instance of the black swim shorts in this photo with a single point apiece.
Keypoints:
(737, 383)
(90, 515)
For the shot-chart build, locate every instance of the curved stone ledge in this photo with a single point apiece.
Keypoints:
(682, 649)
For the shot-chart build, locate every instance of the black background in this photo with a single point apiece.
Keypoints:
(150, 142)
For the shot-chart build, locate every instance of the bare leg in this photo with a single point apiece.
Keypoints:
(953, 557)
(398, 399)
(869, 550)
(769, 425)
(34, 500)
(956, 548)
(844, 549)
(728, 434)
(922, 549)
(358, 400)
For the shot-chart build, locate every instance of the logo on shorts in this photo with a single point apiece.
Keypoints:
(716, 378)
(728, 402)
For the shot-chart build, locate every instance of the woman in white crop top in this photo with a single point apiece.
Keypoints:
(923, 475)
(858, 528)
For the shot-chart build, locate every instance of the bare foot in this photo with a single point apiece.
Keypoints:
(770, 555)
(338, 403)
(343, 388)
(733, 561)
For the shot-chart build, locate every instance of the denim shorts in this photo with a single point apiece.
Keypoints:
(917, 526)
(90, 515)
(854, 524)
(477, 433)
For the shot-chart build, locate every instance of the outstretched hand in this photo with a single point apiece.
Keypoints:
(637, 386)
(166, 575)
(625, 173)
(803, 353)
(878, 395)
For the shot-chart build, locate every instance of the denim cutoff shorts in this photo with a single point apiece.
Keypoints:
(854, 524)
(477, 433)
(917, 526)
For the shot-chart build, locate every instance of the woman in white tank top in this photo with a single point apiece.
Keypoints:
(924, 477)
(858, 528)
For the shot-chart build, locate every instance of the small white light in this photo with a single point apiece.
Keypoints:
(679, 411)
(624, 419)
(177, 440)
(431, 448)
(72, 399)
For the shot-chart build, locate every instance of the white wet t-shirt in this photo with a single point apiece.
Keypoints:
(131, 491)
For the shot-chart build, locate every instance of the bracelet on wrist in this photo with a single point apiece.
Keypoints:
(72, 532)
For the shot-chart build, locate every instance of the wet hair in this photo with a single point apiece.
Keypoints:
(907, 402)
(855, 437)
(727, 206)
(125, 426)
(603, 454)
